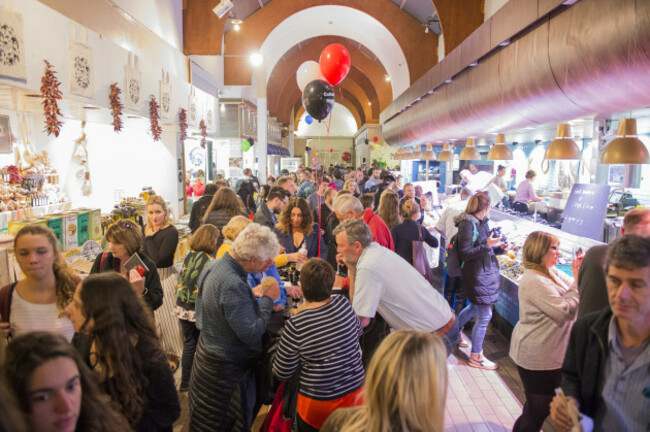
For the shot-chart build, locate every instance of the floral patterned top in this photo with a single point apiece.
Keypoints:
(187, 287)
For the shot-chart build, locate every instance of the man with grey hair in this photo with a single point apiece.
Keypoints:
(383, 282)
(349, 207)
(232, 322)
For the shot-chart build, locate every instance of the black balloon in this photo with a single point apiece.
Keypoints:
(318, 99)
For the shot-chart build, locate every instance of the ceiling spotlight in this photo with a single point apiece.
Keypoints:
(505, 43)
(369, 103)
(236, 27)
(473, 64)
(426, 29)
(256, 59)
(448, 80)
(387, 78)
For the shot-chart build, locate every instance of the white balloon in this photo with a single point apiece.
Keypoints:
(308, 72)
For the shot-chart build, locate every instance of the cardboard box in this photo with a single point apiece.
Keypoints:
(94, 223)
(70, 236)
(83, 226)
(55, 223)
(14, 226)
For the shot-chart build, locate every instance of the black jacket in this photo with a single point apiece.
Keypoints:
(264, 217)
(480, 267)
(591, 281)
(584, 363)
(405, 234)
(154, 295)
(198, 210)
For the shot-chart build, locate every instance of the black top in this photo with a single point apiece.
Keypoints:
(405, 234)
(161, 246)
(153, 296)
(591, 281)
(198, 211)
(324, 216)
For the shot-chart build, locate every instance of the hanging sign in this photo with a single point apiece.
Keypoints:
(81, 70)
(165, 97)
(12, 44)
(133, 85)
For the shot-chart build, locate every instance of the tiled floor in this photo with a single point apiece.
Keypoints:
(477, 400)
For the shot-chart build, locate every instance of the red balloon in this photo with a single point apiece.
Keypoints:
(375, 139)
(346, 156)
(335, 63)
(331, 150)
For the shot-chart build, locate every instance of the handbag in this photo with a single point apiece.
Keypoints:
(420, 261)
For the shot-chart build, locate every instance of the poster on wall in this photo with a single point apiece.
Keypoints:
(81, 69)
(12, 45)
(165, 97)
(5, 135)
(133, 85)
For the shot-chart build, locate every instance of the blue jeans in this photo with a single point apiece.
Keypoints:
(483, 316)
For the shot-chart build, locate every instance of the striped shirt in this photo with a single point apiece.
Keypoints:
(325, 342)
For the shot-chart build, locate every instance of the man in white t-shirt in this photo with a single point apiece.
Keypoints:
(383, 282)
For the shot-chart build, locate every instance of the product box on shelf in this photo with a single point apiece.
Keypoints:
(70, 239)
(55, 223)
(83, 226)
(94, 223)
(15, 226)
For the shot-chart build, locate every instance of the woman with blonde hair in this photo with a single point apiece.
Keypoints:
(36, 302)
(388, 208)
(203, 246)
(405, 233)
(160, 242)
(352, 186)
(225, 205)
(548, 305)
(395, 398)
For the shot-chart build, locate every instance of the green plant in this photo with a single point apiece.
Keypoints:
(379, 163)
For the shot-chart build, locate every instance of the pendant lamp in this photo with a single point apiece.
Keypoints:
(563, 147)
(446, 155)
(626, 148)
(417, 152)
(470, 152)
(429, 154)
(500, 151)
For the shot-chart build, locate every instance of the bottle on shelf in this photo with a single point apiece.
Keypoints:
(302, 251)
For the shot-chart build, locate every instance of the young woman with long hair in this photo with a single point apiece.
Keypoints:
(159, 244)
(396, 398)
(388, 208)
(203, 246)
(125, 351)
(225, 205)
(55, 389)
(37, 302)
(296, 229)
(477, 250)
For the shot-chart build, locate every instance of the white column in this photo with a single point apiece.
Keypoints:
(262, 125)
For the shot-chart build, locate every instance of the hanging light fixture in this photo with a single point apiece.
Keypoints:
(447, 154)
(500, 151)
(417, 152)
(562, 147)
(626, 148)
(470, 152)
(429, 154)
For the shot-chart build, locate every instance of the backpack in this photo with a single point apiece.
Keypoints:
(453, 264)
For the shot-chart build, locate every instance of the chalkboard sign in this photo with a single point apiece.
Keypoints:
(585, 209)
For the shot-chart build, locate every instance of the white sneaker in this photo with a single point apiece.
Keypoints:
(479, 361)
(462, 343)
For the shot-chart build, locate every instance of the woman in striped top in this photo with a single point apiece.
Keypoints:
(324, 340)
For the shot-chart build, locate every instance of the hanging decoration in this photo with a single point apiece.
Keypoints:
(51, 93)
(375, 139)
(204, 133)
(308, 72)
(81, 70)
(309, 120)
(191, 107)
(318, 99)
(80, 153)
(156, 130)
(182, 123)
(116, 107)
(245, 145)
(12, 46)
(335, 63)
(133, 84)
(165, 96)
(346, 156)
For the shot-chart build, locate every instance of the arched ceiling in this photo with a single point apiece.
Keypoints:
(384, 37)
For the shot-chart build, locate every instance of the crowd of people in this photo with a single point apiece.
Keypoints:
(357, 343)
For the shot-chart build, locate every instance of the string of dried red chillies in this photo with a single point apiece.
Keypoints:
(204, 133)
(182, 123)
(51, 93)
(116, 107)
(156, 130)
